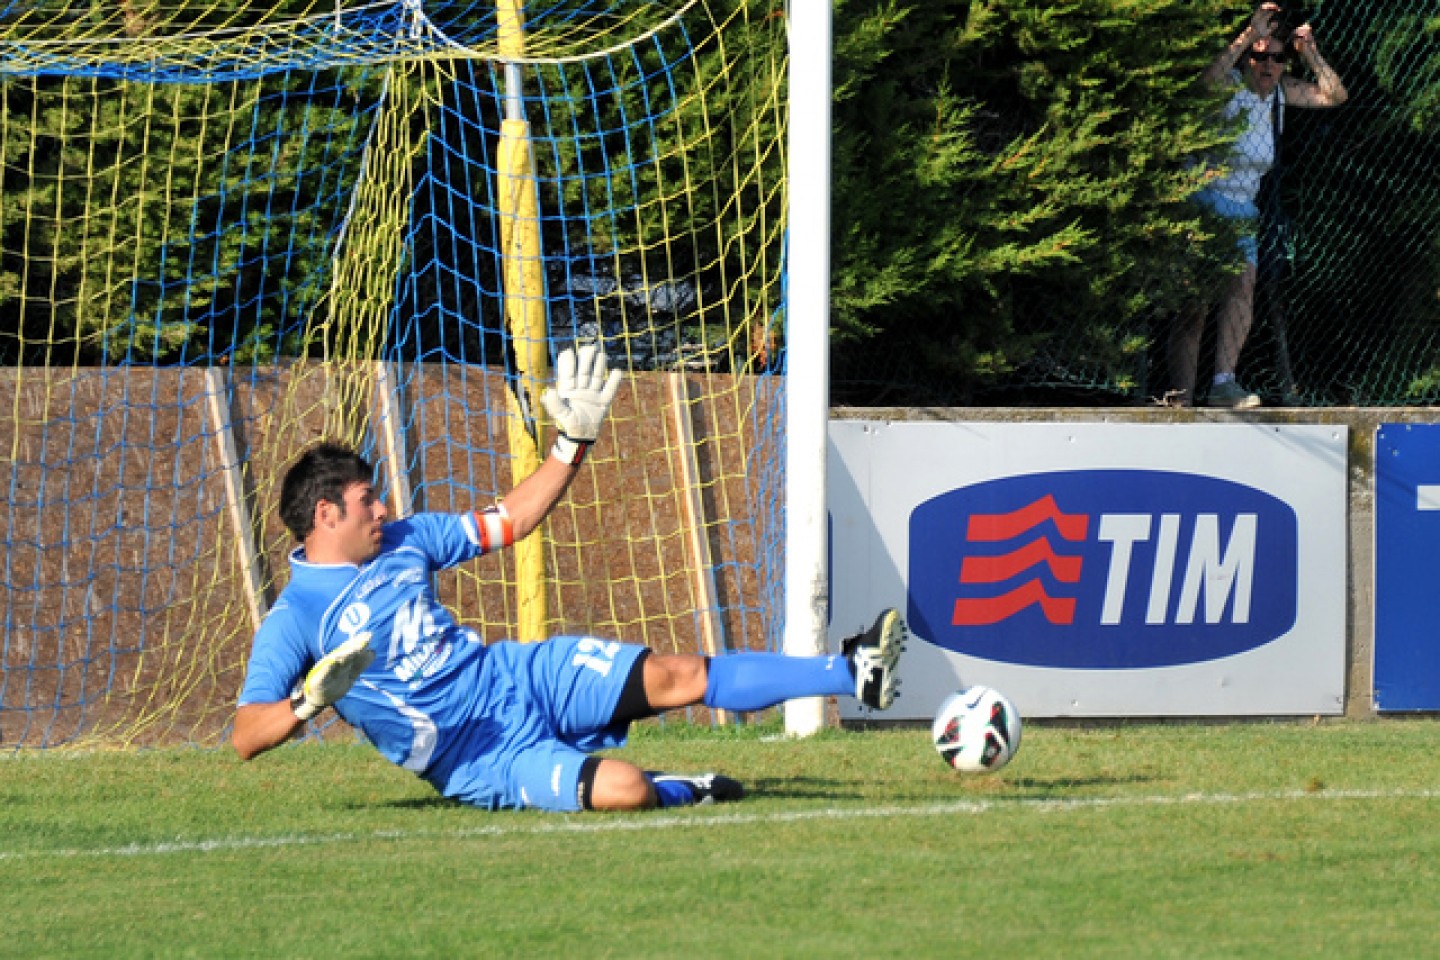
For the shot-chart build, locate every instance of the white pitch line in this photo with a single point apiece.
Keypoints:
(591, 823)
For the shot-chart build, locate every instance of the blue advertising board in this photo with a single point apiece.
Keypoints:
(1407, 538)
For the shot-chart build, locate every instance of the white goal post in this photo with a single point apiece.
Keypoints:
(807, 381)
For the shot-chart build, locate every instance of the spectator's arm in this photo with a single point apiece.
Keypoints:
(1327, 89)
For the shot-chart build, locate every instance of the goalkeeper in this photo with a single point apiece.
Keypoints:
(504, 725)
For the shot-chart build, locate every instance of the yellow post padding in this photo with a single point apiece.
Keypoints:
(525, 319)
(510, 29)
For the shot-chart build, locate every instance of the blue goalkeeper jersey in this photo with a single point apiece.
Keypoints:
(425, 684)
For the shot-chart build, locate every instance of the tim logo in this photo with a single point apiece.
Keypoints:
(1103, 569)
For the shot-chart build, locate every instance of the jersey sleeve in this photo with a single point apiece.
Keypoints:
(450, 539)
(279, 658)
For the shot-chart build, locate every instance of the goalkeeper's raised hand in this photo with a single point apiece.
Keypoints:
(333, 676)
(584, 389)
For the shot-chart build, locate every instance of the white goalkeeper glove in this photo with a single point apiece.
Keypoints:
(584, 389)
(332, 677)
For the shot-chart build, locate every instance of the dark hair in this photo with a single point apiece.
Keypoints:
(322, 472)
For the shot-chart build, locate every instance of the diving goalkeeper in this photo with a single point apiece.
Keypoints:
(504, 725)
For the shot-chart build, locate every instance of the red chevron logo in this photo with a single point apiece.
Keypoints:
(989, 527)
(997, 527)
(980, 612)
(1007, 565)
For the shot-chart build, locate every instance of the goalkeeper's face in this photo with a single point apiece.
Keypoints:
(356, 533)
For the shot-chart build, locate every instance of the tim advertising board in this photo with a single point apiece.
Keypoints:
(1099, 569)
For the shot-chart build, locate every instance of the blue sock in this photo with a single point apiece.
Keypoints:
(754, 681)
(671, 793)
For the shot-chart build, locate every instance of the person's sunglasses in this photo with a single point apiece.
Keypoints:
(1272, 57)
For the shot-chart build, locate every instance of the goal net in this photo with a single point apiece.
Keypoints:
(227, 232)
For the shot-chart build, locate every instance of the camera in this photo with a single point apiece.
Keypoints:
(1288, 19)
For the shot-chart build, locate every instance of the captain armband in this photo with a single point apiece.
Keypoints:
(496, 530)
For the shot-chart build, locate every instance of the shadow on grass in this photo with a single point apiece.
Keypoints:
(804, 788)
(406, 803)
(813, 788)
(830, 788)
(1049, 786)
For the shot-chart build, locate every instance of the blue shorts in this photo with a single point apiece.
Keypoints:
(549, 707)
(1231, 210)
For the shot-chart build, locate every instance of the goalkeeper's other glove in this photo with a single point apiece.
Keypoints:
(333, 676)
(584, 389)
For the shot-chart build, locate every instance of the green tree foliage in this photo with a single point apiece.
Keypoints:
(669, 158)
(153, 221)
(1363, 187)
(659, 169)
(1010, 181)
(1002, 173)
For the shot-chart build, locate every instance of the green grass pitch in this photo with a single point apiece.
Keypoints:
(1281, 839)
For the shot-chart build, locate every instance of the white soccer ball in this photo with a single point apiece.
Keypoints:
(977, 730)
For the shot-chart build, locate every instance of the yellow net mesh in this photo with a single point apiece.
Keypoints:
(228, 232)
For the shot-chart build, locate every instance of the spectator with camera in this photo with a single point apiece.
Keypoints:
(1255, 65)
